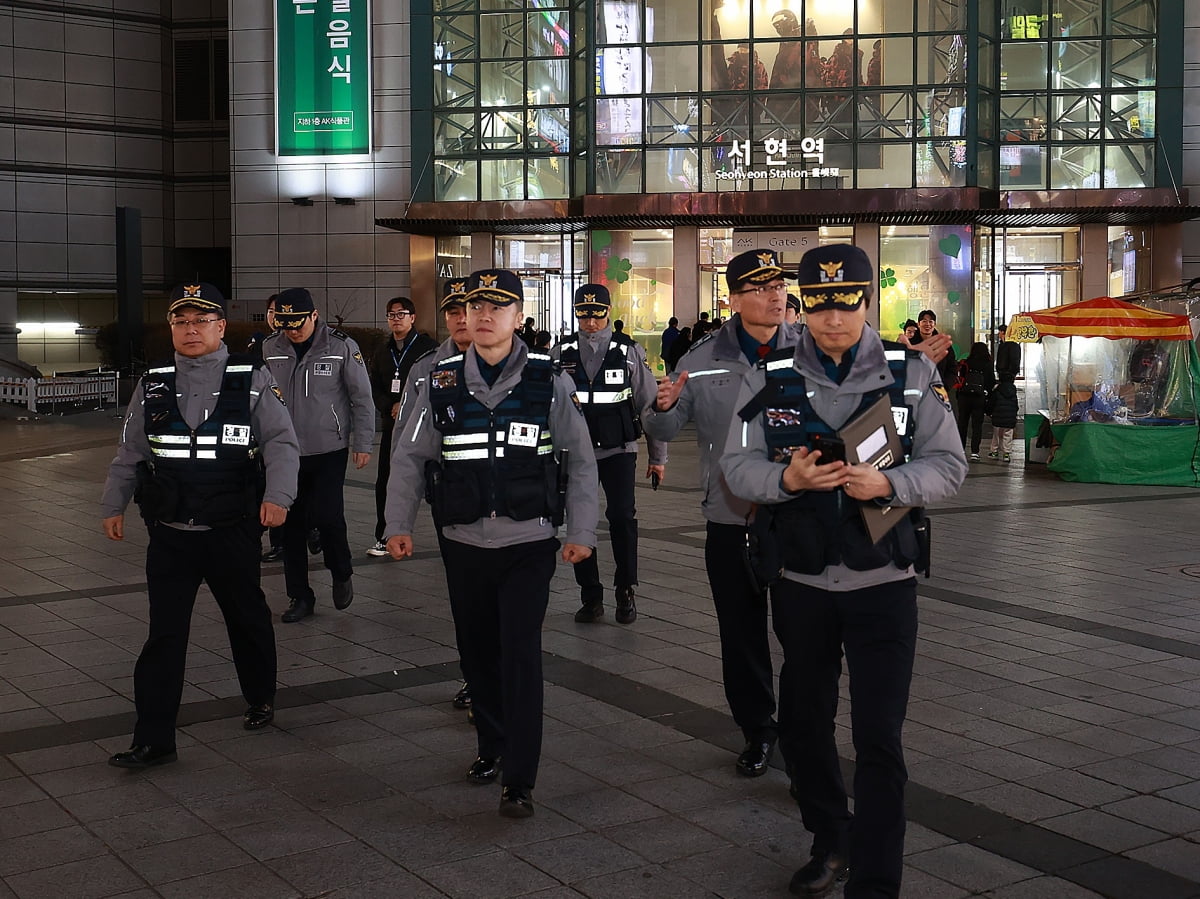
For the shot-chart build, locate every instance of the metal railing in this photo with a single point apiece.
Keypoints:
(45, 394)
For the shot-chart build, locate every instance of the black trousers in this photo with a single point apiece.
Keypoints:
(970, 411)
(742, 622)
(877, 628)
(381, 478)
(318, 505)
(617, 475)
(499, 599)
(227, 559)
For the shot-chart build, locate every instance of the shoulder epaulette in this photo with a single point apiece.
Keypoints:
(244, 359)
(711, 335)
(428, 352)
(340, 335)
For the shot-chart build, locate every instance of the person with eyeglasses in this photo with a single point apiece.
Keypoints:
(209, 454)
(705, 385)
(324, 380)
(390, 365)
(846, 591)
(613, 383)
(496, 441)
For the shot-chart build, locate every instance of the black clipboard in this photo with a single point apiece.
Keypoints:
(872, 438)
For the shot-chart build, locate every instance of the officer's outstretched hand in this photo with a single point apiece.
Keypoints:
(805, 472)
(271, 515)
(114, 527)
(361, 460)
(935, 347)
(573, 552)
(400, 546)
(668, 392)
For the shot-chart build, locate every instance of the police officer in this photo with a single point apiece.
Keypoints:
(498, 441)
(208, 453)
(324, 381)
(389, 374)
(614, 383)
(710, 378)
(839, 591)
(791, 315)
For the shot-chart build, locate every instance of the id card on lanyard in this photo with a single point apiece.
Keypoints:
(397, 381)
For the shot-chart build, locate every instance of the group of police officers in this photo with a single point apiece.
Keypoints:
(508, 446)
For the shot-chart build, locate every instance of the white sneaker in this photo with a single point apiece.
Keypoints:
(379, 549)
(974, 457)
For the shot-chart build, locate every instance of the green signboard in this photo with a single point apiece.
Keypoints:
(323, 77)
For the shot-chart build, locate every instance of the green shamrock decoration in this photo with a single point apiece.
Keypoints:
(601, 240)
(952, 297)
(887, 278)
(618, 270)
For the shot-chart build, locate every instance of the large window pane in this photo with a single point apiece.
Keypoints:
(1022, 166)
(501, 83)
(942, 164)
(673, 20)
(618, 171)
(672, 120)
(547, 179)
(454, 133)
(1023, 66)
(456, 179)
(1078, 18)
(1131, 62)
(884, 115)
(502, 179)
(1131, 16)
(885, 165)
(454, 37)
(1075, 167)
(1129, 165)
(1076, 64)
(672, 70)
(500, 36)
(1075, 117)
(1130, 116)
(547, 80)
(454, 84)
(672, 171)
(549, 130)
(941, 59)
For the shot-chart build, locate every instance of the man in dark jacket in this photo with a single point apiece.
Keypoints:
(389, 370)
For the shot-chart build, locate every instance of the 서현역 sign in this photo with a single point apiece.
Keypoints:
(322, 77)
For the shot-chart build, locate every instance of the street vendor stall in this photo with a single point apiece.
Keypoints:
(1119, 385)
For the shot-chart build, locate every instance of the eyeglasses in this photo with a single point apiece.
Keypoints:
(185, 323)
(396, 316)
(763, 291)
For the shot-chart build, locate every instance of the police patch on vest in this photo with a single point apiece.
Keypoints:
(236, 435)
(940, 392)
(523, 434)
(324, 369)
(444, 378)
(783, 418)
(614, 376)
(154, 388)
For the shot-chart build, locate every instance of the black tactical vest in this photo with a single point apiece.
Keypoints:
(494, 462)
(211, 475)
(607, 399)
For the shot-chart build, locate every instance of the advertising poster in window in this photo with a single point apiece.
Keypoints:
(322, 77)
(620, 71)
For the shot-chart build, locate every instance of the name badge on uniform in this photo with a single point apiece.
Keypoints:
(323, 368)
(397, 385)
(614, 376)
(900, 416)
(522, 434)
(236, 435)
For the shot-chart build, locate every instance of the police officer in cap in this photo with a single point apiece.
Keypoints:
(791, 315)
(328, 392)
(705, 390)
(614, 383)
(496, 439)
(208, 453)
(841, 593)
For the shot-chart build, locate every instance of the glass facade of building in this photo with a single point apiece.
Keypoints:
(558, 99)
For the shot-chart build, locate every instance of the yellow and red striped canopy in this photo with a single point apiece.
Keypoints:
(1101, 317)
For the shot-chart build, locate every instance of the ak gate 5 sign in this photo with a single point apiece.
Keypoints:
(323, 77)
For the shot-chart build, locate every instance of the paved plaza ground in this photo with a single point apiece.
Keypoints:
(1053, 735)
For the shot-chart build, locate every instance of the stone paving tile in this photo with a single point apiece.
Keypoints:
(1106, 831)
(87, 879)
(970, 868)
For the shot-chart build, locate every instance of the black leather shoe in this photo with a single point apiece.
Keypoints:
(483, 771)
(590, 612)
(143, 757)
(755, 758)
(824, 871)
(462, 699)
(314, 542)
(258, 716)
(343, 593)
(274, 554)
(626, 608)
(298, 610)
(516, 802)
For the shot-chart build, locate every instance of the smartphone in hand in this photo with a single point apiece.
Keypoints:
(833, 449)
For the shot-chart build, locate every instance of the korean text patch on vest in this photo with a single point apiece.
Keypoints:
(614, 376)
(900, 415)
(323, 368)
(523, 434)
(236, 435)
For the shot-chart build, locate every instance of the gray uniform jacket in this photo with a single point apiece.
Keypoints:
(198, 384)
(328, 392)
(416, 377)
(716, 366)
(420, 441)
(592, 350)
(935, 471)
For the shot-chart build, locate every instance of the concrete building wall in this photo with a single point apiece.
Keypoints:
(86, 125)
(350, 266)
